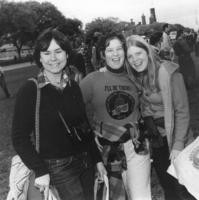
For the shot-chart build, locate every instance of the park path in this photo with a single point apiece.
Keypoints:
(17, 66)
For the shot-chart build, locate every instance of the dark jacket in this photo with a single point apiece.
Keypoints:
(55, 141)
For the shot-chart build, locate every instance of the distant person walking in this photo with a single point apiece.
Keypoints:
(166, 45)
(155, 42)
(3, 83)
(183, 51)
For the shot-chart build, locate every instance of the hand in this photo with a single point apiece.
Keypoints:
(53, 194)
(99, 146)
(154, 97)
(42, 183)
(145, 97)
(101, 171)
(174, 154)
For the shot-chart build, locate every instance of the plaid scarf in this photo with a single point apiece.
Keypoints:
(43, 79)
(113, 138)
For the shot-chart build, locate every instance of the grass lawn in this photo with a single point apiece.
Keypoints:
(6, 151)
(15, 79)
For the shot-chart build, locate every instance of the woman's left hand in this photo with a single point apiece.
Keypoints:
(154, 97)
(101, 171)
(99, 146)
(174, 154)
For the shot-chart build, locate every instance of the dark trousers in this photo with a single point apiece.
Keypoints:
(3, 85)
(73, 177)
(172, 189)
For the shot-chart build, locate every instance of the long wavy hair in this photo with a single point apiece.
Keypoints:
(151, 81)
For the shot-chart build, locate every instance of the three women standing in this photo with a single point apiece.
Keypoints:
(68, 152)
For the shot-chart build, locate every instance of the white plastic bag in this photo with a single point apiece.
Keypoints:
(105, 195)
(21, 183)
(185, 168)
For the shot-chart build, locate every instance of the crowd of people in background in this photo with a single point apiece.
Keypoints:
(166, 48)
(113, 105)
(87, 57)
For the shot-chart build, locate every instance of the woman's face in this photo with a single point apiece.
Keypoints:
(137, 58)
(54, 58)
(114, 54)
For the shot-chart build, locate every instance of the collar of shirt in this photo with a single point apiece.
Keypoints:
(43, 80)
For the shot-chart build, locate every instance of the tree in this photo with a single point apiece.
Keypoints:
(97, 27)
(16, 23)
(21, 22)
(101, 26)
(48, 16)
(72, 28)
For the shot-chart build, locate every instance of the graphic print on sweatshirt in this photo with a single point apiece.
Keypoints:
(119, 104)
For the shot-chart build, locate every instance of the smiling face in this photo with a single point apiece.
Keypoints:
(54, 59)
(114, 54)
(137, 58)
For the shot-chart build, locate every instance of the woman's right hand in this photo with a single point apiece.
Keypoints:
(99, 146)
(43, 183)
(101, 171)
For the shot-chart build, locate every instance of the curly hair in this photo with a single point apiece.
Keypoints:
(104, 41)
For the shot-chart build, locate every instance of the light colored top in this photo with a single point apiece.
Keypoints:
(166, 42)
(175, 104)
(113, 97)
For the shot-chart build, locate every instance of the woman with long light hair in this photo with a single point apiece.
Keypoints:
(164, 108)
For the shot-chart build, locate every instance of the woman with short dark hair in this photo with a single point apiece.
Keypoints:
(68, 153)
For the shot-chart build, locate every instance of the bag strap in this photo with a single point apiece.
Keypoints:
(64, 122)
(67, 128)
(37, 107)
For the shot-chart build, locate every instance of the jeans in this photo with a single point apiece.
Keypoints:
(137, 176)
(172, 189)
(73, 177)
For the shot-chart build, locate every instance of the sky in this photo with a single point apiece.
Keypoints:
(185, 12)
